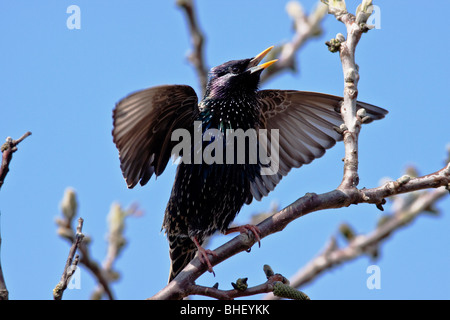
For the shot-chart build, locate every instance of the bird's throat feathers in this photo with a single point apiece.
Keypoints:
(223, 88)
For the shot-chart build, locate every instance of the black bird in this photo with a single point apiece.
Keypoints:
(206, 197)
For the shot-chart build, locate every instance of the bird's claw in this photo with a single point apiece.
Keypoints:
(203, 255)
(245, 228)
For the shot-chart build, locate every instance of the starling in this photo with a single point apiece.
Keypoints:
(206, 197)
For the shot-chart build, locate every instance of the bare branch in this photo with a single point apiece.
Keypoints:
(311, 202)
(116, 243)
(306, 27)
(359, 245)
(96, 270)
(275, 283)
(356, 26)
(71, 263)
(105, 274)
(69, 208)
(4, 294)
(231, 294)
(196, 57)
(8, 148)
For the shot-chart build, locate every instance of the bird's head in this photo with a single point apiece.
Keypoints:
(236, 77)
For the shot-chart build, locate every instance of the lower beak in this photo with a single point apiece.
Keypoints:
(253, 64)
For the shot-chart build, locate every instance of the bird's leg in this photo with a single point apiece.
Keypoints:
(203, 255)
(244, 229)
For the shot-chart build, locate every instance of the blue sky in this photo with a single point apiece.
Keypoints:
(62, 85)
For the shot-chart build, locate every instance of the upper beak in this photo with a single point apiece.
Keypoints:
(253, 64)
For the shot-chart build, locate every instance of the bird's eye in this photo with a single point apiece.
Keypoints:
(234, 70)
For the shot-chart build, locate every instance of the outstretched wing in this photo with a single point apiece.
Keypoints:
(143, 123)
(305, 121)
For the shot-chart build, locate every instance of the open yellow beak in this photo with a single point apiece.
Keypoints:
(253, 64)
(267, 64)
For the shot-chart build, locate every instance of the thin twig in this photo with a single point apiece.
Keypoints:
(230, 294)
(116, 243)
(96, 271)
(196, 57)
(7, 149)
(306, 27)
(69, 208)
(4, 294)
(237, 292)
(71, 263)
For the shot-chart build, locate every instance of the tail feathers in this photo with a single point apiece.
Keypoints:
(182, 251)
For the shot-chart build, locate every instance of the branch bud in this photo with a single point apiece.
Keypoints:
(69, 204)
(295, 10)
(365, 7)
(268, 271)
(361, 113)
(335, 5)
(347, 231)
(284, 291)
(350, 76)
(343, 127)
(333, 45)
(340, 37)
(403, 179)
(241, 284)
(363, 12)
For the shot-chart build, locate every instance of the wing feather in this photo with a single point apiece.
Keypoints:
(305, 121)
(143, 123)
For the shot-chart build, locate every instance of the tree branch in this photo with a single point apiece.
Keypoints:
(8, 148)
(306, 27)
(356, 26)
(69, 208)
(4, 294)
(196, 57)
(240, 290)
(105, 274)
(311, 202)
(368, 244)
(116, 243)
(71, 263)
